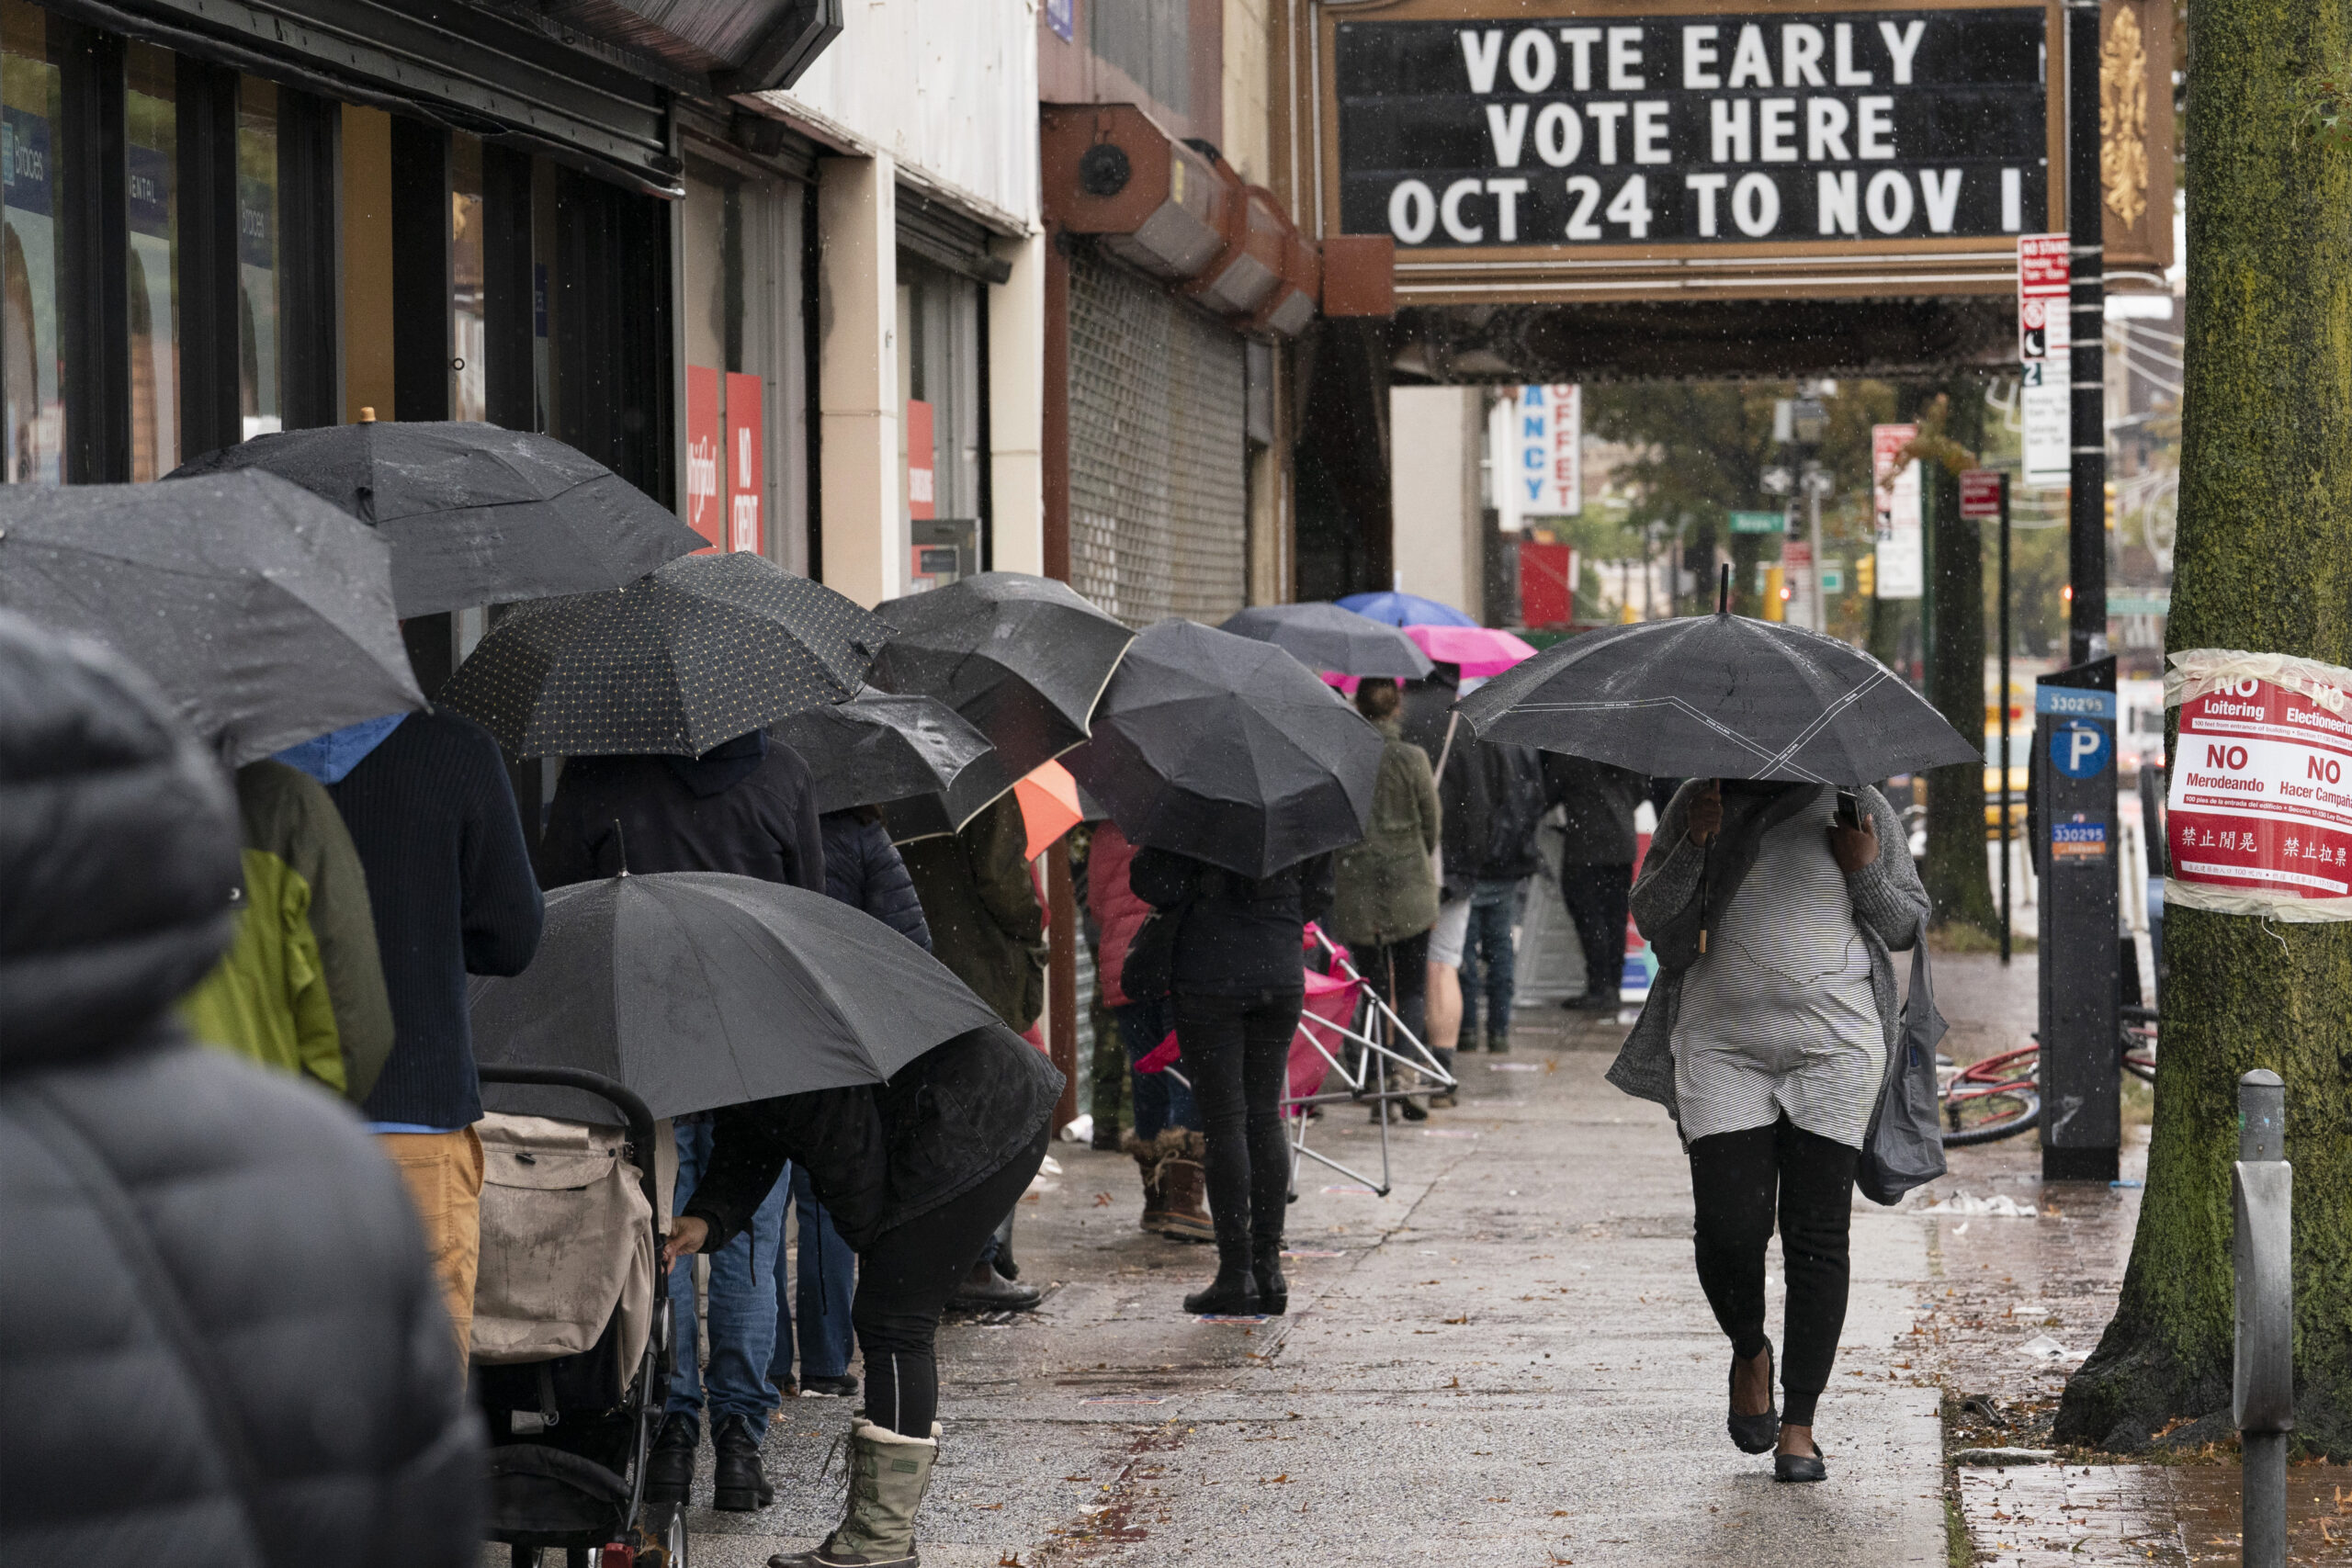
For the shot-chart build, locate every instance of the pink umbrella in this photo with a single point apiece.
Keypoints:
(1479, 651)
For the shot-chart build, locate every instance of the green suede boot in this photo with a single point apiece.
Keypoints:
(889, 1475)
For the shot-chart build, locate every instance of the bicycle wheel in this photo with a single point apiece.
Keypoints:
(2140, 1054)
(1989, 1115)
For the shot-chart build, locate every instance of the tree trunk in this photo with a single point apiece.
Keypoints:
(1960, 888)
(2264, 562)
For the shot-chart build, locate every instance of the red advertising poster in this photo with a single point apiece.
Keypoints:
(1547, 575)
(702, 455)
(922, 493)
(746, 464)
(2259, 815)
(1980, 494)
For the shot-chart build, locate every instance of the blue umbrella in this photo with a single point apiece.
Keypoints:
(1405, 610)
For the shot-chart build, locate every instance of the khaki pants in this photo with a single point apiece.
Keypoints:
(444, 1174)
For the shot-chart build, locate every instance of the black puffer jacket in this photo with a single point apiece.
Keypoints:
(219, 1341)
(863, 869)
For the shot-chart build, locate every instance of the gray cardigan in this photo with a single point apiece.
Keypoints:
(1889, 910)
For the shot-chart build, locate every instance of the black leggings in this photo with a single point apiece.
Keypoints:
(1237, 1050)
(1733, 1176)
(903, 1283)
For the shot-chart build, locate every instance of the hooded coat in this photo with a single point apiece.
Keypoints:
(1386, 890)
(982, 908)
(230, 1350)
(747, 807)
(863, 869)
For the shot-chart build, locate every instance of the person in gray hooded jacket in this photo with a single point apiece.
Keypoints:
(221, 1343)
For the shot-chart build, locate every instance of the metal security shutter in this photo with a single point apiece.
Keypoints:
(1159, 504)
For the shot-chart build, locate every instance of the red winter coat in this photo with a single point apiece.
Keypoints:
(1116, 908)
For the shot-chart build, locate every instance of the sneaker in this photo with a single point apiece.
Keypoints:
(841, 1387)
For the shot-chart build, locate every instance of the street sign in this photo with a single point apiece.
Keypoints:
(1759, 523)
(2045, 317)
(2045, 412)
(1832, 577)
(1980, 494)
(1901, 569)
(1777, 482)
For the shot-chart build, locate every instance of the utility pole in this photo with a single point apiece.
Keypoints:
(2009, 834)
(2086, 510)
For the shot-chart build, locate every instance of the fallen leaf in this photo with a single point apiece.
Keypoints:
(1464, 1318)
(1102, 1200)
(1281, 1479)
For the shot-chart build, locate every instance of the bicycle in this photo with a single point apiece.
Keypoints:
(2001, 1096)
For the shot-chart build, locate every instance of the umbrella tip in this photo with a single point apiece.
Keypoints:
(367, 415)
(1723, 595)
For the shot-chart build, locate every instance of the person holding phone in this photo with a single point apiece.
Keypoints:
(1774, 908)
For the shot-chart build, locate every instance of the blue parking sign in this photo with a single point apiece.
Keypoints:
(2079, 749)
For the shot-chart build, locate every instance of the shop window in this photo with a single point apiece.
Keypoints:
(151, 164)
(745, 403)
(939, 434)
(261, 404)
(33, 369)
(469, 334)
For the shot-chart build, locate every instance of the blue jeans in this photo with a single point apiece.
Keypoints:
(742, 1303)
(1493, 906)
(1160, 1102)
(827, 1278)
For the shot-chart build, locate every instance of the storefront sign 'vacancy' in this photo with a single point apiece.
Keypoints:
(1717, 129)
(1543, 453)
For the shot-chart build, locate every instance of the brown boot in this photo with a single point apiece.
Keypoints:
(1184, 1184)
(1148, 1159)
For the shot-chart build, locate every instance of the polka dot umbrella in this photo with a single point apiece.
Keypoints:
(706, 649)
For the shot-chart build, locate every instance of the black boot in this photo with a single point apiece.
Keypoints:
(669, 1468)
(1274, 1291)
(739, 1485)
(1233, 1293)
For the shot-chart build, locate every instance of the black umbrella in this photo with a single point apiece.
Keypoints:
(1718, 696)
(263, 613)
(1024, 658)
(699, 990)
(476, 514)
(705, 650)
(929, 769)
(1229, 750)
(1324, 636)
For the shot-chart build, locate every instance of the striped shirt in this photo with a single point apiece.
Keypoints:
(1778, 1017)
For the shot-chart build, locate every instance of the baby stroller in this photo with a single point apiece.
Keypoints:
(571, 1329)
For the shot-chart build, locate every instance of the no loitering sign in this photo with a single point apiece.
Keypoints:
(2259, 812)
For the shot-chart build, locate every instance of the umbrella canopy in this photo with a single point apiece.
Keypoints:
(705, 650)
(263, 613)
(1718, 696)
(929, 770)
(1479, 651)
(1049, 806)
(1024, 658)
(1405, 610)
(699, 990)
(476, 514)
(1229, 750)
(1325, 636)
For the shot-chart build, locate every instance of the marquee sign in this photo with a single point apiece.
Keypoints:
(1616, 149)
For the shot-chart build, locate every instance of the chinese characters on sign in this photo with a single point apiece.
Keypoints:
(1902, 570)
(2260, 806)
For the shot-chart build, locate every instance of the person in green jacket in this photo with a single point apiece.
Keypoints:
(1385, 900)
(302, 988)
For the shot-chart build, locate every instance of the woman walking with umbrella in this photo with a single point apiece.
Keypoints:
(1236, 772)
(1772, 900)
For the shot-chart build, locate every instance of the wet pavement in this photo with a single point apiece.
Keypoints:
(1507, 1359)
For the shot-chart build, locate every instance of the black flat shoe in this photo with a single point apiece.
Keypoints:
(1755, 1434)
(1800, 1467)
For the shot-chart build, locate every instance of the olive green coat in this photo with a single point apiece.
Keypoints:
(1387, 888)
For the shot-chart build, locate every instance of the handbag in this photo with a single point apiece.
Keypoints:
(1905, 1147)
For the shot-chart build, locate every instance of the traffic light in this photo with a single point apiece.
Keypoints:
(1866, 575)
(2111, 506)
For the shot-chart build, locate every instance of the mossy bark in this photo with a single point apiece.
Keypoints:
(2263, 562)
(1960, 886)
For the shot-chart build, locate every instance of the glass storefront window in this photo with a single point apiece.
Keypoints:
(470, 342)
(939, 430)
(33, 368)
(745, 447)
(260, 401)
(150, 160)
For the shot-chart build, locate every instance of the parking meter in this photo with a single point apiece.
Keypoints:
(2076, 851)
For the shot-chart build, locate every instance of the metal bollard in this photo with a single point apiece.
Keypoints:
(2261, 1252)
